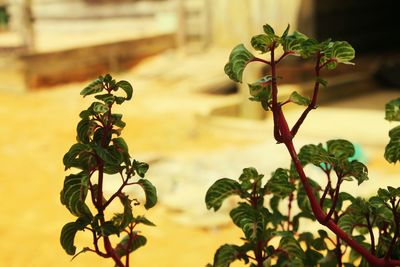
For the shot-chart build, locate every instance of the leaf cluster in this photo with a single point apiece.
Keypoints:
(100, 150)
(328, 54)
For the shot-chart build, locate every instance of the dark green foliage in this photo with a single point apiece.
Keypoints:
(101, 150)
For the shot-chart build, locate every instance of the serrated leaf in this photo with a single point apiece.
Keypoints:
(106, 155)
(70, 158)
(100, 108)
(94, 87)
(74, 193)
(225, 255)
(340, 148)
(108, 99)
(127, 87)
(392, 110)
(359, 171)
(150, 192)
(252, 221)
(293, 43)
(299, 99)
(137, 242)
(68, 232)
(219, 191)
(392, 149)
(262, 42)
(346, 223)
(249, 178)
(279, 184)
(292, 247)
(338, 52)
(238, 60)
(85, 129)
(314, 154)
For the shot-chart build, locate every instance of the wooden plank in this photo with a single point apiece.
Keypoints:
(79, 64)
(66, 10)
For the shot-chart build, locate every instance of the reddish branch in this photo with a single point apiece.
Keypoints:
(282, 134)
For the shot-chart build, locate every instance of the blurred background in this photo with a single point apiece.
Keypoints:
(187, 119)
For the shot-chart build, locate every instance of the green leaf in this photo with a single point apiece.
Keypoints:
(94, 87)
(100, 108)
(225, 255)
(70, 158)
(268, 29)
(285, 33)
(150, 192)
(292, 247)
(340, 148)
(359, 171)
(299, 99)
(68, 233)
(120, 143)
(140, 167)
(262, 42)
(392, 149)
(137, 242)
(143, 220)
(346, 223)
(249, 178)
(127, 87)
(117, 120)
(321, 81)
(85, 130)
(108, 99)
(219, 191)
(293, 43)
(109, 228)
(261, 91)
(122, 220)
(309, 47)
(392, 110)
(238, 59)
(252, 221)
(329, 260)
(279, 184)
(74, 193)
(338, 52)
(106, 155)
(314, 154)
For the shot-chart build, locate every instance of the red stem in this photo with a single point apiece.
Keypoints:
(320, 216)
(284, 135)
(313, 103)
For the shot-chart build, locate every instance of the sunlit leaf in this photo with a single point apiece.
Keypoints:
(392, 110)
(94, 87)
(262, 43)
(238, 60)
(219, 191)
(299, 99)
